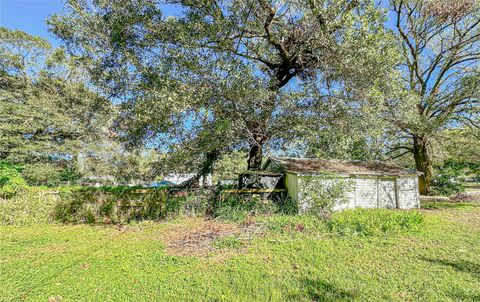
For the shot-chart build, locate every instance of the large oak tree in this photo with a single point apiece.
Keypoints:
(440, 43)
(222, 75)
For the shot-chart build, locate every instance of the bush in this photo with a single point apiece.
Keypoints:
(447, 180)
(285, 205)
(42, 174)
(367, 222)
(324, 193)
(237, 207)
(11, 180)
(119, 204)
(29, 206)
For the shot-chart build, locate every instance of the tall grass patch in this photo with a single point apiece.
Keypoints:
(29, 206)
(369, 222)
(238, 207)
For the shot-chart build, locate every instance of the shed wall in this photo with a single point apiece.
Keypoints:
(408, 195)
(305, 189)
(387, 195)
(365, 192)
(291, 183)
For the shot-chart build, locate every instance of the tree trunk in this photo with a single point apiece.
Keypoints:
(205, 169)
(423, 163)
(255, 156)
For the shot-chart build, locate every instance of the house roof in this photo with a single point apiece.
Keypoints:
(316, 165)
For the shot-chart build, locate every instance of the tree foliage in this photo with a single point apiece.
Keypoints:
(440, 42)
(225, 75)
(47, 111)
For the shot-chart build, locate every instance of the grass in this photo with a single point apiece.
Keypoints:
(31, 206)
(433, 255)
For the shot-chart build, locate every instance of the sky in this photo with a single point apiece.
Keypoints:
(30, 16)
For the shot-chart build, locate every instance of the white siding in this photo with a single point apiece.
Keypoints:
(408, 197)
(366, 193)
(386, 193)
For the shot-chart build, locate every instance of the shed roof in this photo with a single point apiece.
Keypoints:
(315, 165)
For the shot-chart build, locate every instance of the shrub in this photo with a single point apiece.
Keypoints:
(118, 204)
(11, 180)
(447, 180)
(109, 205)
(29, 206)
(324, 193)
(238, 207)
(367, 222)
(285, 205)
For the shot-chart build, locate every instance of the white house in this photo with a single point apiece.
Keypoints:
(365, 184)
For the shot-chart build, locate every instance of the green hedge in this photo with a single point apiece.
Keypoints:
(11, 180)
(34, 205)
(119, 204)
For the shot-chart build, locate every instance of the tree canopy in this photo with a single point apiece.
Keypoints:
(48, 113)
(440, 73)
(226, 75)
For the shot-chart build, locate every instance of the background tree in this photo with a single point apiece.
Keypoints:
(47, 113)
(225, 74)
(107, 162)
(440, 42)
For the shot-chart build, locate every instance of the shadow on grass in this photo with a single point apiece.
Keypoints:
(322, 291)
(461, 295)
(459, 265)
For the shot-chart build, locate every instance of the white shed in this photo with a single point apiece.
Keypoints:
(364, 184)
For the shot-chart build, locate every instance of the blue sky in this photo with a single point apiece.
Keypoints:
(30, 16)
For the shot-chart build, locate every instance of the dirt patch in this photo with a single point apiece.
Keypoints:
(199, 237)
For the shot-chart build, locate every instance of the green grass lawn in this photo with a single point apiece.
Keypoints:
(358, 256)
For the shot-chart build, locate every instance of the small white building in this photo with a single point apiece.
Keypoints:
(363, 184)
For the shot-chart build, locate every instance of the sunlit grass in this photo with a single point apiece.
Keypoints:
(434, 256)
